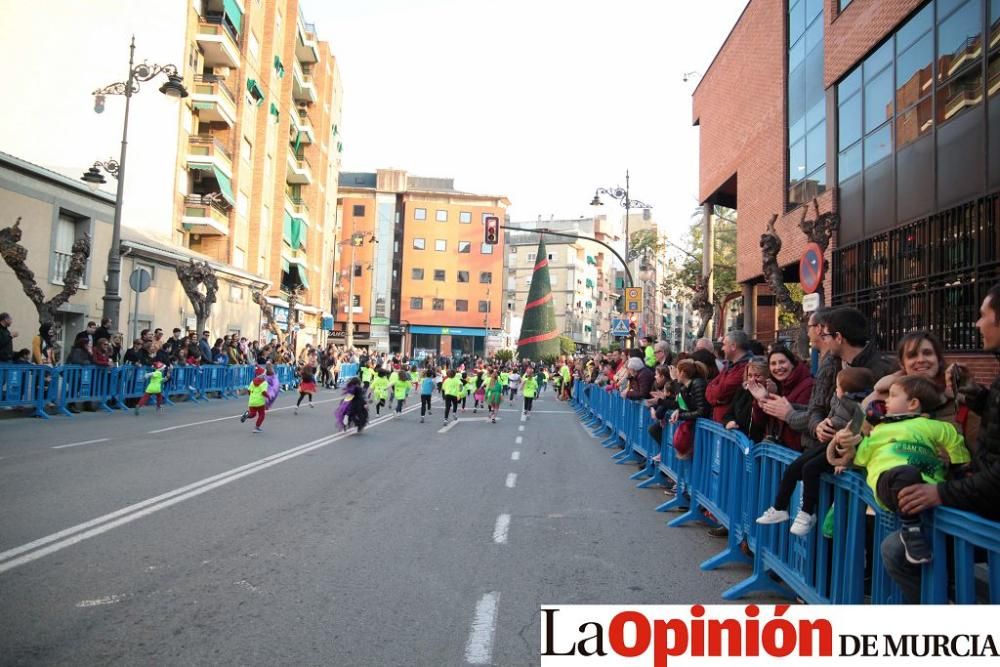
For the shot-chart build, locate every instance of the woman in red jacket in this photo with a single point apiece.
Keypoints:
(794, 383)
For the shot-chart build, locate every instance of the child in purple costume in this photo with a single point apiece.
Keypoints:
(351, 409)
(273, 386)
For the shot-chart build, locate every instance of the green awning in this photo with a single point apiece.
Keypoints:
(225, 186)
(234, 13)
(279, 68)
(285, 265)
(591, 260)
(286, 229)
(589, 305)
(335, 130)
(302, 277)
(296, 233)
(275, 112)
(204, 105)
(589, 282)
(255, 90)
(298, 141)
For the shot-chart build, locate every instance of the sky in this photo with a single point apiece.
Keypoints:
(541, 101)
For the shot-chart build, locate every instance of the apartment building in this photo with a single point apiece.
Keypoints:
(259, 154)
(413, 273)
(583, 285)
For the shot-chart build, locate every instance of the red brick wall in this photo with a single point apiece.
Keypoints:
(983, 366)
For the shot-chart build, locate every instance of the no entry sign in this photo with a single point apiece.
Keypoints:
(811, 268)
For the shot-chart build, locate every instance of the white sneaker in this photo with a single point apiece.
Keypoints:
(772, 515)
(803, 524)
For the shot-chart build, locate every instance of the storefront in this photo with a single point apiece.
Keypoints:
(447, 341)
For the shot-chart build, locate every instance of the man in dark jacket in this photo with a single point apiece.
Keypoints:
(6, 338)
(205, 348)
(723, 387)
(104, 330)
(977, 492)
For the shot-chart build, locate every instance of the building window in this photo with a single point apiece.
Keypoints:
(485, 249)
(235, 293)
(357, 270)
(417, 274)
(463, 276)
(441, 215)
(420, 214)
(806, 102)
(239, 258)
(359, 210)
(418, 244)
(437, 304)
(246, 150)
(462, 305)
(416, 303)
(465, 247)
(465, 218)
(440, 245)
(531, 257)
(356, 300)
(484, 306)
(439, 275)
(843, 4)
(486, 277)
(68, 229)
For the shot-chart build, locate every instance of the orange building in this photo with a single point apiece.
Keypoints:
(414, 274)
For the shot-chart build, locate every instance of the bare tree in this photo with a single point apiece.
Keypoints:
(16, 257)
(702, 302)
(195, 276)
(267, 310)
(770, 248)
(820, 229)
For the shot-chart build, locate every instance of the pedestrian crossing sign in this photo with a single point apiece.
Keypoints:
(619, 328)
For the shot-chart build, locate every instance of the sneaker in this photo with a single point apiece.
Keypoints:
(258, 430)
(421, 420)
(296, 410)
(493, 420)
(916, 548)
(244, 416)
(311, 405)
(136, 411)
(445, 422)
(772, 515)
(718, 531)
(803, 523)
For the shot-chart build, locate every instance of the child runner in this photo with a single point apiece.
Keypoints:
(470, 389)
(400, 390)
(544, 381)
(479, 396)
(451, 388)
(513, 382)
(307, 387)
(380, 390)
(257, 401)
(154, 387)
(530, 391)
(462, 393)
(352, 409)
(367, 375)
(494, 394)
(426, 393)
(273, 384)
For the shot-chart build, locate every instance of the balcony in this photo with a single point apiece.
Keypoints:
(213, 99)
(206, 151)
(301, 127)
(204, 214)
(297, 208)
(306, 48)
(302, 83)
(218, 42)
(60, 265)
(299, 169)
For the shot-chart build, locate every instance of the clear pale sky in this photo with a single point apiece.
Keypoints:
(542, 101)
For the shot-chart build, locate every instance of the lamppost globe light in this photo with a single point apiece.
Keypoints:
(93, 178)
(596, 201)
(174, 87)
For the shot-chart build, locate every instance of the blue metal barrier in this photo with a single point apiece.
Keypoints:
(214, 379)
(129, 382)
(27, 385)
(348, 371)
(959, 534)
(182, 381)
(240, 377)
(84, 384)
(286, 377)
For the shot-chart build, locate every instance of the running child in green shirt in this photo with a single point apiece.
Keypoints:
(401, 389)
(494, 395)
(380, 390)
(154, 387)
(529, 390)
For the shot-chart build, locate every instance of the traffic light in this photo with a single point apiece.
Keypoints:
(491, 234)
(633, 321)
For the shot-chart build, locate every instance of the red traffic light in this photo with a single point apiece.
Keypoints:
(491, 234)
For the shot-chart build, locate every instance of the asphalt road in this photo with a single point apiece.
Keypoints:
(183, 538)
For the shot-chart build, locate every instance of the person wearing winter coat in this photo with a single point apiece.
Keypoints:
(640, 381)
(721, 391)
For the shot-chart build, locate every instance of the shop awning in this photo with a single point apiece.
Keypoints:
(233, 13)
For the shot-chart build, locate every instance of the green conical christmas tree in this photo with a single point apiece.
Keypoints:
(539, 334)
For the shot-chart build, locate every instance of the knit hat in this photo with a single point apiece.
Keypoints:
(258, 371)
(635, 364)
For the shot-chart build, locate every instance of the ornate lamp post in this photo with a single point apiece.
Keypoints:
(174, 87)
(623, 197)
(93, 176)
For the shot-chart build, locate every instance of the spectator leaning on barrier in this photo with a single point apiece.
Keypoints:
(979, 490)
(6, 338)
(744, 414)
(104, 331)
(640, 382)
(43, 346)
(795, 384)
(721, 390)
(691, 404)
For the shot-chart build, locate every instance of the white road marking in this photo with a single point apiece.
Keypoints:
(524, 417)
(65, 538)
(80, 444)
(108, 599)
(511, 479)
(543, 412)
(521, 428)
(499, 531)
(451, 424)
(518, 440)
(515, 456)
(479, 647)
(220, 419)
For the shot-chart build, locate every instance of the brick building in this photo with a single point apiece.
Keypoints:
(885, 112)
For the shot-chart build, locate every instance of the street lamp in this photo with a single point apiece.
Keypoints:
(174, 87)
(622, 195)
(93, 176)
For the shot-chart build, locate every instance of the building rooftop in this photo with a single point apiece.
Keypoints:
(56, 178)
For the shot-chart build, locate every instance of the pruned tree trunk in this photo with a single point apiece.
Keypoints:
(267, 310)
(770, 247)
(820, 229)
(193, 277)
(16, 256)
(702, 302)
